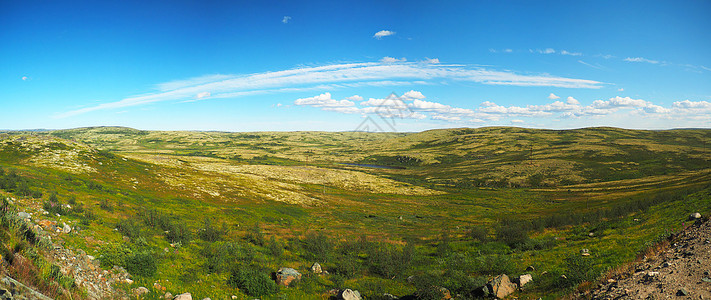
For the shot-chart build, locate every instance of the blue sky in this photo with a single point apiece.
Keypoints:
(332, 65)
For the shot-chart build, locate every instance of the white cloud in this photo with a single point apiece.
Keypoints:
(547, 51)
(620, 90)
(553, 96)
(508, 50)
(686, 104)
(445, 118)
(355, 98)
(383, 33)
(412, 94)
(202, 95)
(410, 107)
(570, 53)
(431, 60)
(324, 100)
(286, 19)
(336, 76)
(24, 77)
(391, 60)
(619, 102)
(641, 59)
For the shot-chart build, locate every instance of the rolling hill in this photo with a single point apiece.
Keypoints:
(393, 213)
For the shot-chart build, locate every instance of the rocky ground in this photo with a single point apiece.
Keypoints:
(84, 268)
(681, 271)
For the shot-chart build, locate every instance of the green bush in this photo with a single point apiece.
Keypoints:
(177, 232)
(252, 281)
(105, 205)
(512, 234)
(219, 256)
(479, 233)
(211, 233)
(255, 235)
(129, 228)
(114, 254)
(276, 248)
(319, 246)
(388, 261)
(141, 264)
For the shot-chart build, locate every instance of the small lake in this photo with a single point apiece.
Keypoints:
(373, 166)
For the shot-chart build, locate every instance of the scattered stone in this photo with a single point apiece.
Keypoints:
(705, 279)
(650, 276)
(349, 294)
(682, 292)
(524, 279)
(530, 268)
(284, 276)
(695, 216)
(389, 296)
(23, 215)
(129, 281)
(563, 276)
(316, 268)
(66, 228)
(168, 296)
(584, 252)
(501, 286)
(184, 296)
(592, 234)
(141, 290)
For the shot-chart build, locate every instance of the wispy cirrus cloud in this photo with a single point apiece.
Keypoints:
(641, 59)
(330, 77)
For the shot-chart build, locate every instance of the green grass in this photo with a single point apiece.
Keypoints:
(464, 179)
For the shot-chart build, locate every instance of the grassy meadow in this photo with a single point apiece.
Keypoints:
(215, 213)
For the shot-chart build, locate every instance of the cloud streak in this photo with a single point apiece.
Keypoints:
(331, 77)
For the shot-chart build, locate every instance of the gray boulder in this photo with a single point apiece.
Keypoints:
(23, 215)
(284, 276)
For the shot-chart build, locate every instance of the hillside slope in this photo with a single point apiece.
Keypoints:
(382, 212)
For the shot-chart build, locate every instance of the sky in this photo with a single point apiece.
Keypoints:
(354, 65)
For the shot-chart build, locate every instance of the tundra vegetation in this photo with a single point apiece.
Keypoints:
(216, 213)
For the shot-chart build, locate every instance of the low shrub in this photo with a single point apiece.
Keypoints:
(252, 281)
(141, 264)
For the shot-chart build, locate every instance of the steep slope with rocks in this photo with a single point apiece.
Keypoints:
(682, 270)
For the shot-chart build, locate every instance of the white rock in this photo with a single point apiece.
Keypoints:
(184, 296)
(524, 279)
